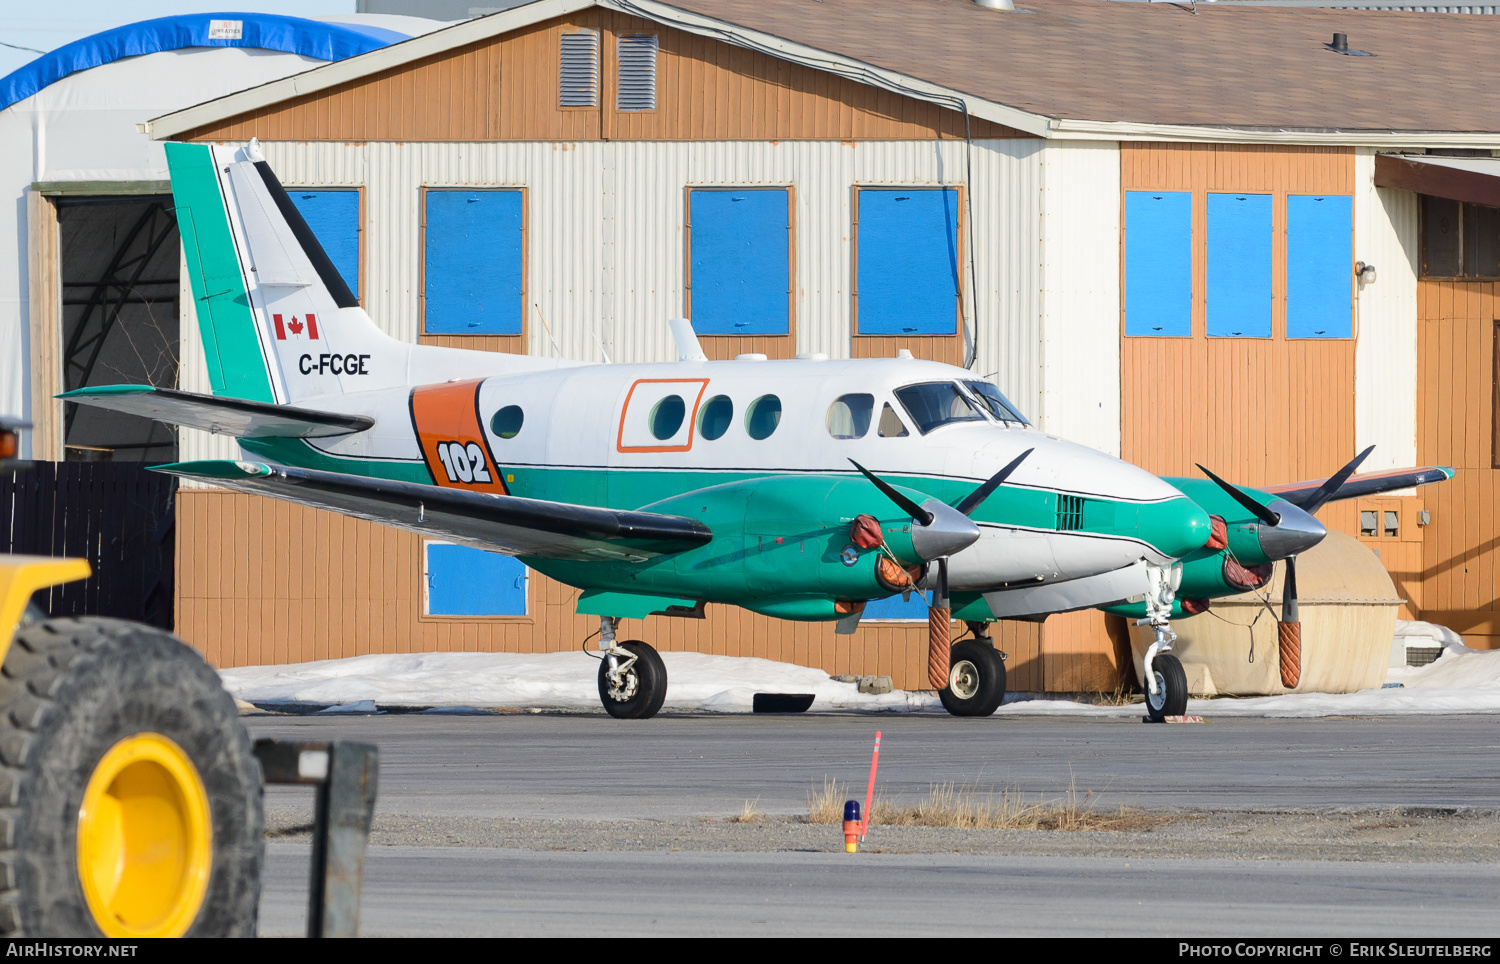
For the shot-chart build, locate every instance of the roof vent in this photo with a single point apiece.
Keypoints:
(579, 80)
(996, 4)
(637, 84)
(1340, 45)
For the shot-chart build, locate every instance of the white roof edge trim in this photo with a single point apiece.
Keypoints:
(471, 31)
(1131, 131)
(856, 70)
(352, 68)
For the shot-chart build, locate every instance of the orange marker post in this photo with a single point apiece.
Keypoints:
(870, 791)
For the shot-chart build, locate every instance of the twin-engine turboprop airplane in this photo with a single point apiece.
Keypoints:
(658, 488)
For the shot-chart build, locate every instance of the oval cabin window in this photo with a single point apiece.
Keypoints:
(506, 423)
(763, 416)
(666, 417)
(715, 416)
(849, 416)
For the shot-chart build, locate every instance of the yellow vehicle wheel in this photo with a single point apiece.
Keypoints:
(132, 795)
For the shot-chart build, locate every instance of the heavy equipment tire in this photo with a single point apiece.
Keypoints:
(130, 799)
(976, 679)
(1171, 696)
(650, 675)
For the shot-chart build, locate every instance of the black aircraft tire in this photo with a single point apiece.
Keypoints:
(127, 720)
(1171, 699)
(976, 680)
(651, 684)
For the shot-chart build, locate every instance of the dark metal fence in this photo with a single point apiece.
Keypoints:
(116, 515)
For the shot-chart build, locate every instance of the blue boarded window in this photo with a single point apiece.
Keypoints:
(1239, 266)
(1159, 263)
(896, 608)
(472, 263)
(471, 582)
(739, 261)
(1319, 266)
(333, 217)
(906, 278)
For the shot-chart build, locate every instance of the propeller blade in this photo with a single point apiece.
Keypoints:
(1289, 612)
(973, 500)
(1330, 488)
(1255, 508)
(919, 515)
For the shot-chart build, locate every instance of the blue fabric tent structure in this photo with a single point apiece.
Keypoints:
(310, 38)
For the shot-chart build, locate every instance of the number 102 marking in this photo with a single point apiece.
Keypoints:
(464, 463)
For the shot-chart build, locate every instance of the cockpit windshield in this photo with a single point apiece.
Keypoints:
(936, 403)
(998, 405)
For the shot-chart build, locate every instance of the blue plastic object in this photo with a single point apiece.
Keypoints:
(263, 31)
(472, 263)
(896, 608)
(1239, 266)
(851, 810)
(740, 261)
(908, 261)
(1319, 266)
(333, 217)
(471, 582)
(1159, 263)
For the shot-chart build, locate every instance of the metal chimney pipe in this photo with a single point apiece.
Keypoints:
(1340, 42)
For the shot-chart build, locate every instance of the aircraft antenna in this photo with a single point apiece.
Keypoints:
(547, 328)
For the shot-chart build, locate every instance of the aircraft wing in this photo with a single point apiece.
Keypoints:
(1364, 484)
(499, 523)
(238, 417)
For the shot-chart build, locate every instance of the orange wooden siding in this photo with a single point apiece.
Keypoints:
(1456, 374)
(506, 89)
(261, 581)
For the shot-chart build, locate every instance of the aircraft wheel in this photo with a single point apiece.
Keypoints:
(130, 799)
(976, 680)
(1171, 696)
(638, 692)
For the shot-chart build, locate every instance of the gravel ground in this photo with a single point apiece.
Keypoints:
(1408, 835)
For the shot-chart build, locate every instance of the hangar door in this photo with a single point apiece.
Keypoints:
(118, 275)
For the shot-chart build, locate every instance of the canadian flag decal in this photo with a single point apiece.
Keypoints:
(296, 327)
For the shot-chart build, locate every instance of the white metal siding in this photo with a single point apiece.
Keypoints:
(605, 222)
(1081, 292)
(1385, 355)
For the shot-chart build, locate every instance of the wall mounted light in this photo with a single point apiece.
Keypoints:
(1364, 272)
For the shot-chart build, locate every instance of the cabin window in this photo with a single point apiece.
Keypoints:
(935, 404)
(636, 89)
(473, 262)
(1159, 263)
(507, 422)
(1239, 266)
(332, 214)
(891, 425)
(666, 416)
(578, 78)
(1319, 266)
(714, 419)
(463, 581)
(995, 403)
(763, 416)
(739, 261)
(849, 416)
(906, 279)
(1459, 239)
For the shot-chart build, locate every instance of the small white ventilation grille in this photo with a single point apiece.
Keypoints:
(637, 74)
(579, 83)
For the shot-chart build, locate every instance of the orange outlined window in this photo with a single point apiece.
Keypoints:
(659, 415)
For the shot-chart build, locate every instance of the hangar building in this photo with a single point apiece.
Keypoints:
(1223, 237)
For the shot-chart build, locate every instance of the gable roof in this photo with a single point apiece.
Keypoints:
(1068, 68)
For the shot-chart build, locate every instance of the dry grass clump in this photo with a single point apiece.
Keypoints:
(749, 813)
(964, 807)
(1122, 695)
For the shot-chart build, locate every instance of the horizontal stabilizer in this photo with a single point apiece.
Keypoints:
(238, 417)
(499, 523)
(1364, 484)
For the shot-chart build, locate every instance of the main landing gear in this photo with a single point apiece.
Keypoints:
(632, 676)
(1166, 683)
(976, 676)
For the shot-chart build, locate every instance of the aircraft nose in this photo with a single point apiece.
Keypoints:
(1297, 531)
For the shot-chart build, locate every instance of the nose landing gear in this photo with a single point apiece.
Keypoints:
(1166, 683)
(632, 676)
